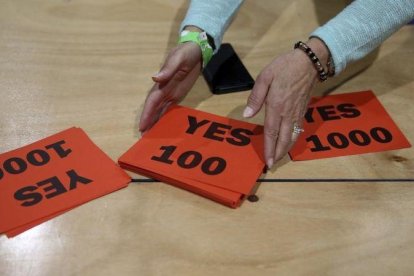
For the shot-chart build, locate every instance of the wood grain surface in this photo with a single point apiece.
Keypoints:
(89, 63)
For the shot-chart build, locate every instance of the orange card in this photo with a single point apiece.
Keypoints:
(217, 157)
(50, 176)
(347, 124)
(18, 230)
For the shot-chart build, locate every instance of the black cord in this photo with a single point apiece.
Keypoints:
(303, 180)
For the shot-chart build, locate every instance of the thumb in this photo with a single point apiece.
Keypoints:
(168, 70)
(258, 95)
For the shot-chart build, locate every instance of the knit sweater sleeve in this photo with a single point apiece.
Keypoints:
(213, 16)
(363, 26)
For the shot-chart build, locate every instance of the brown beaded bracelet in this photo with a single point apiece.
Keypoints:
(331, 67)
(323, 76)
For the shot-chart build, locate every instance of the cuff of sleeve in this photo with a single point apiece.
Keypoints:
(328, 38)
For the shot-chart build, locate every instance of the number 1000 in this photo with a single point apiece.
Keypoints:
(356, 137)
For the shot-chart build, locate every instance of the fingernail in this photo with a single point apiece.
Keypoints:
(156, 76)
(269, 163)
(248, 112)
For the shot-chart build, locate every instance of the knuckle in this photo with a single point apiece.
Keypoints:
(266, 76)
(284, 141)
(272, 132)
(181, 74)
(254, 100)
(169, 96)
(274, 103)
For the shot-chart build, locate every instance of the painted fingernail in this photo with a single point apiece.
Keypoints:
(270, 163)
(248, 112)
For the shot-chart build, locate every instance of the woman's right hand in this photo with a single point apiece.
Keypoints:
(172, 83)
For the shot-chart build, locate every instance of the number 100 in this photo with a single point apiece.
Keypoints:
(191, 159)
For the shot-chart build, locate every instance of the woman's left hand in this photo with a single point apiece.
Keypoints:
(284, 88)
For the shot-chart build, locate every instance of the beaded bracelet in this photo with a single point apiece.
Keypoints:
(323, 76)
(330, 65)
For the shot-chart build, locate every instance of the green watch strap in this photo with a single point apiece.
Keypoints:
(201, 40)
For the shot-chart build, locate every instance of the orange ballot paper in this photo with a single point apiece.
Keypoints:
(213, 156)
(347, 124)
(51, 176)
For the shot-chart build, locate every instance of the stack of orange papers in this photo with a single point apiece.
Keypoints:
(49, 177)
(213, 156)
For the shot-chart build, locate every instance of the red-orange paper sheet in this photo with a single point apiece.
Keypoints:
(347, 124)
(213, 156)
(51, 176)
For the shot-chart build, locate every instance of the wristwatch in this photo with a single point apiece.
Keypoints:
(201, 39)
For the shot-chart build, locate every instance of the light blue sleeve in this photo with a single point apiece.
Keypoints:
(213, 16)
(363, 26)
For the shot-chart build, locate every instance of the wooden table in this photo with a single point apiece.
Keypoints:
(89, 64)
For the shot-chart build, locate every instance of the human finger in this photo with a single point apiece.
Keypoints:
(179, 63)
(258, 94)
(284, 140)
(271, 133)
(151, 107)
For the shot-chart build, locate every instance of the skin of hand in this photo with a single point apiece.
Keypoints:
(172, 83)
(284, 88)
